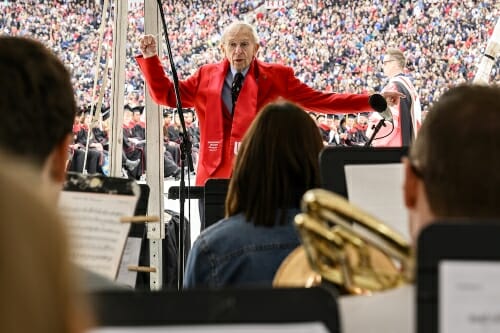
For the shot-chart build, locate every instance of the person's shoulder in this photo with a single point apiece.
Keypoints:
(212, 67)
(223, 226)
(396, 83)
(211, 237)
(401, 80)
(223, 231)
(272, 66)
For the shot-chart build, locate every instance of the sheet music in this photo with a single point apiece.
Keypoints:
(130, 257)
(97, 236)
(314, 327)
(469, 295)
(378, 189)
(389, 311)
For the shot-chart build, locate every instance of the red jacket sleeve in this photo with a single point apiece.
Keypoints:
(161, 88)
(314, 100)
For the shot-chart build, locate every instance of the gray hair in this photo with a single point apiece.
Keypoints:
(237, 25)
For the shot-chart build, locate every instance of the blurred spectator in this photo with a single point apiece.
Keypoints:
(406, 111)
(40, 288)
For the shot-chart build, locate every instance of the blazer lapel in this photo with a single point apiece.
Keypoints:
(263, 81)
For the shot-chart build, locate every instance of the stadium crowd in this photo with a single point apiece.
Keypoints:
(332, 45)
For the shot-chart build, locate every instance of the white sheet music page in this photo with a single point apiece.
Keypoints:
(378, 190)
(97, 236)
(469, 296)
(130, 257)
(313, 327)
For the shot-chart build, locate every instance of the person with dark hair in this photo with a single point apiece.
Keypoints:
(194, 133)
(139, 126)
(37, 104)
(39, 109)
(449, 174)
(171, 146)
(95, 154)
(228, 95)
(276, 163)
(323, 127)
(334, 135)
(133, 147)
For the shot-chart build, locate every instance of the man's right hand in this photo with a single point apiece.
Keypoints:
(148, 46)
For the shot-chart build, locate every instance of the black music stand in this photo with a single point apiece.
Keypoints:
(190, 192)
(215, 198)
(141, 209)
(469, 240)
(216, 307)
(332, 161)
(98, 189)
(97, 183)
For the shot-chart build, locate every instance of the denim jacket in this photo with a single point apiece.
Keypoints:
(234, 252)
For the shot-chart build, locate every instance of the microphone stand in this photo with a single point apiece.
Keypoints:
(376, 129)
(185, 147)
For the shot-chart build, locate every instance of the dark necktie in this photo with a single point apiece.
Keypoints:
(236, 87)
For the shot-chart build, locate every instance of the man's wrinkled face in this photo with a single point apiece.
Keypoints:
(240, 48)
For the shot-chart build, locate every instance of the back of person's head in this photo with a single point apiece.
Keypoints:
(39, 292)
(37, 99)
(276, 163)
(456, 153)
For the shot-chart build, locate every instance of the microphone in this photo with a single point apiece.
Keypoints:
(379, 104)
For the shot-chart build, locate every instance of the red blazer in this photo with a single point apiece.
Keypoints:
(219, 132)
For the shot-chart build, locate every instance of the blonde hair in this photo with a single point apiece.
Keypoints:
(38, 286)
(397, 55)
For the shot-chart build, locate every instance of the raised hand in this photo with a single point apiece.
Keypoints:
(148, 46)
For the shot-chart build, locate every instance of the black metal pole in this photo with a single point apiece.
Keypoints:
(375, 131)
(185, 147)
